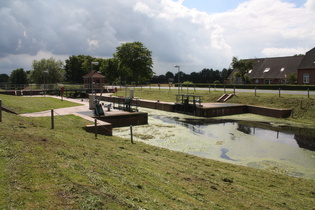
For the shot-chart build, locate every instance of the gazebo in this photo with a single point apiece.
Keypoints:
(94, 80)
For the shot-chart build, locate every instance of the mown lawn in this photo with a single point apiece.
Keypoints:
(33, 104)
(67, 168)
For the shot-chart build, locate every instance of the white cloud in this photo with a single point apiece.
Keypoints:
(278, 52)
(93, 44)
(24, 61)
(310, 5)
(175, 34)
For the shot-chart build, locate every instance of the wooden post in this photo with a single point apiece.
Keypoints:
(209, 88)
(0, 110)
(255, 91)
(131, 135)
(279, 92)
(52, 119)
(234, 90)
(95, 127)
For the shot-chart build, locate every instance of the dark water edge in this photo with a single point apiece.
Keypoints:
(303, 137)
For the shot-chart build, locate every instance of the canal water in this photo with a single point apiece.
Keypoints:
(281, 149)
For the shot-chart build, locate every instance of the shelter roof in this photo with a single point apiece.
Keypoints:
(93, 74)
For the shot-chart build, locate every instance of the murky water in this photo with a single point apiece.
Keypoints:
(284, 150)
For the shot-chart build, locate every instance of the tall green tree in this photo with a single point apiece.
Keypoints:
(18, 76)
(109, 68)
(243, 66)
(4, 78)
(47, 71)
(76, 67)
(134, 62)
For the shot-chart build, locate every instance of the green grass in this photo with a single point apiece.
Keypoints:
(67, 168)
(33, 104)
(304, 114)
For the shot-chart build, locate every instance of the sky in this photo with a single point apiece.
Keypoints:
(194, 34)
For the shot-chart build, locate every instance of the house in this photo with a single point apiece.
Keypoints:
(93, 80)
(276, 70)
(306, 70)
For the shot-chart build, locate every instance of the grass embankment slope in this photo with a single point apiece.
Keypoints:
(301, 114)
(67, 168)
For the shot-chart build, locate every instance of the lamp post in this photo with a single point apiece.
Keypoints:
(93, 63)
(178, 68)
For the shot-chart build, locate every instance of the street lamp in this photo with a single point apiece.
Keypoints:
(178, 68)
(93, 63)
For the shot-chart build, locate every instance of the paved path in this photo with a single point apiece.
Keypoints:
(84, 107)
(74, 110)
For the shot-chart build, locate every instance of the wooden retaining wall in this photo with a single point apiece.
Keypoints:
(212, 111)
(221, 111)
(269, 112)
(125, 119)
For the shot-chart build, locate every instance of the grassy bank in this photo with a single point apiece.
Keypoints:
(302, 114)
(67, 168)
(33, 104)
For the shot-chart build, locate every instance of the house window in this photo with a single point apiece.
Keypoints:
(306, 78)
(282, 69)
(268, 81)
(266, 70)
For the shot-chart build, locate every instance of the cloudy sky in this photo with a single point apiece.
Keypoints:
(194, 34)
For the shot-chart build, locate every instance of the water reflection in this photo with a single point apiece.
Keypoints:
(298, 137)
(260, 145)
(224, 155)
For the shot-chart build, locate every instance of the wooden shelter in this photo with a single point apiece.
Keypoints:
(94, 80)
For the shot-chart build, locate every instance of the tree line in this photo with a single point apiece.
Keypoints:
(204, 76)
(131, 63)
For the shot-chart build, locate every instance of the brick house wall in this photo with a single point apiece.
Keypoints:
(311, 74)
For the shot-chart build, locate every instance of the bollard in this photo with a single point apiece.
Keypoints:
(52, 119)
(279, 92)
(209, 88)
(234, 90)
(95, 127)
(255, 91)
(131, 135)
